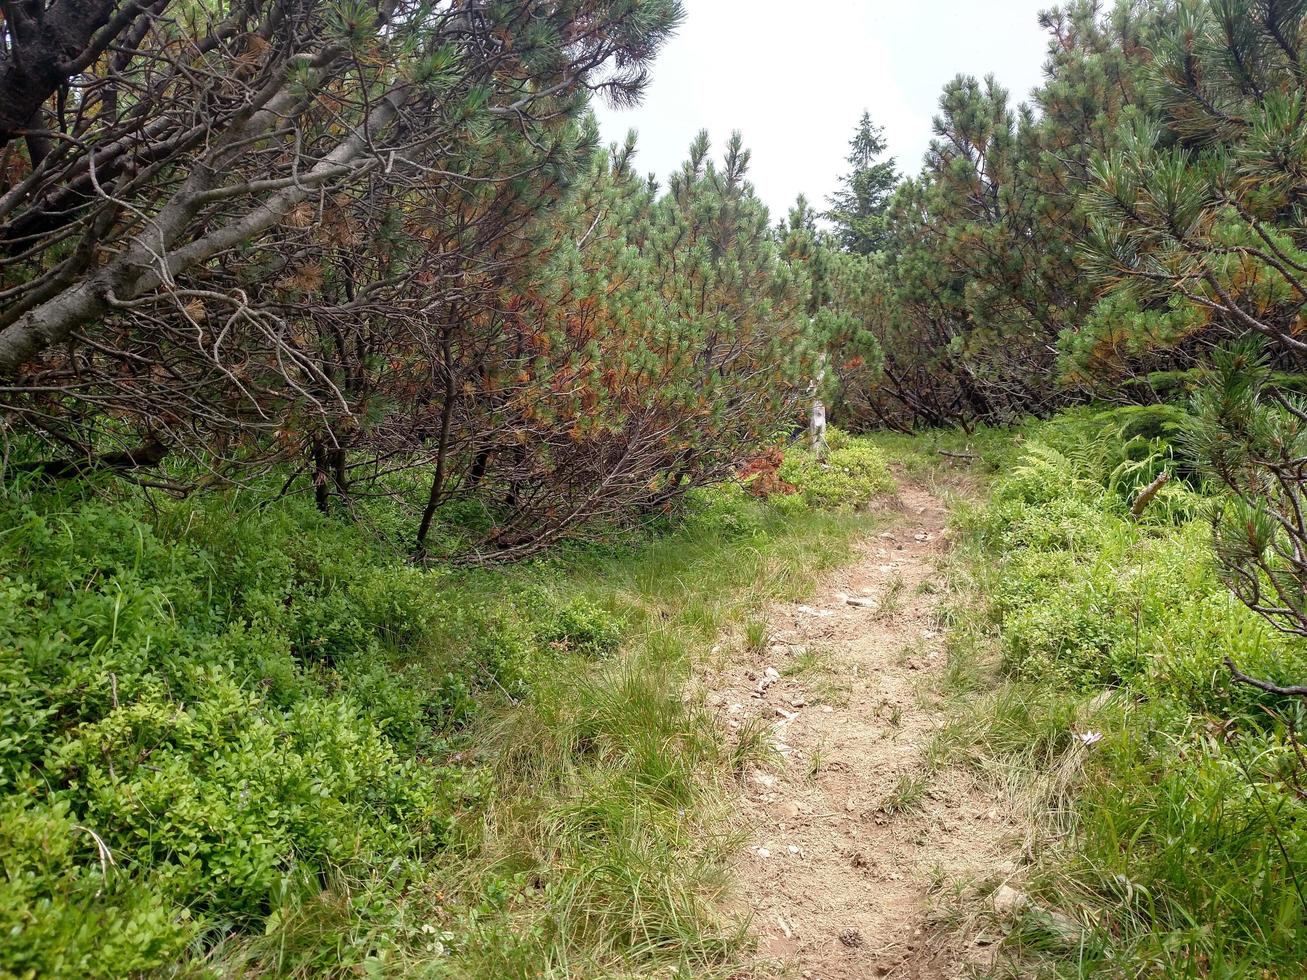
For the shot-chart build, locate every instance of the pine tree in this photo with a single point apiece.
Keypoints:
(982, 255)
(1200, 214)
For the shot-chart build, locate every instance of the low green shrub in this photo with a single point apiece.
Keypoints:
(852, 473)
(582, 626)
(198, 709)
(1195, 775)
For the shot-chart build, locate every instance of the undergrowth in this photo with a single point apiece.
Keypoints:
(240, 737)
(1171, 803)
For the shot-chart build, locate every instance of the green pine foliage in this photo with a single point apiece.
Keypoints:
(1197, 217)
(858, 208)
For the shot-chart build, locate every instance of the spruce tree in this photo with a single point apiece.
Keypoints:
(858, 208)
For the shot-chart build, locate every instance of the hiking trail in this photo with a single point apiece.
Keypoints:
(853, 832)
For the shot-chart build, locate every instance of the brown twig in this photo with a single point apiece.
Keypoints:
(1293, 691)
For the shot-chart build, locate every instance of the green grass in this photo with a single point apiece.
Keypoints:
(906, 794)
(627, 777)
(940, 454)
(1178, 841)
(240, 737)
(756, 633)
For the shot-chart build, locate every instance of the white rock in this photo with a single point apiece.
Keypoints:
(1008, 900)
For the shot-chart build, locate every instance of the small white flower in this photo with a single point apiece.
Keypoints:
(1089, 738)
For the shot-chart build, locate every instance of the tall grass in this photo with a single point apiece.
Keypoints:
(605, 837)
(1178, 839)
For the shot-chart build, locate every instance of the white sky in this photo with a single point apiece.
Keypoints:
(795, 75)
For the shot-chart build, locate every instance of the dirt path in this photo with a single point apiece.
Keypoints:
(854, 831)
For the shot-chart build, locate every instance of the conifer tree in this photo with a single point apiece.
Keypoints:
(1200, 233)
(163, 230)
(1200, 222)
(983, 258)
(858, 208)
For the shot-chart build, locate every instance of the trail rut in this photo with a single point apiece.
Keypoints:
(852, 834)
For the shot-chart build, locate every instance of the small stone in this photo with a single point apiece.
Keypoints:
(792, 849)
(771, 673)
(1008, 900)
(762, 852)
(851, 938)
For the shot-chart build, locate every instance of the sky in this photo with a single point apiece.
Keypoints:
(794, 76)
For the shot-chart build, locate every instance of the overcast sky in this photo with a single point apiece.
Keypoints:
(795, 75)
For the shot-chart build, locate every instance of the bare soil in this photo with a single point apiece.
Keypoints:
(855, 840)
